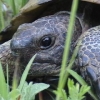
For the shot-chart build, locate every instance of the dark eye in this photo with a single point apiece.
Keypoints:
(46, 42)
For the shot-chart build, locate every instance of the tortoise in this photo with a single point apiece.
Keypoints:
(46, 37)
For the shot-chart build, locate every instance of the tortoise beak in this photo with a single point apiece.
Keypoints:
(19, 46)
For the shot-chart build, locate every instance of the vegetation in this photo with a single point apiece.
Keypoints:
(75, 91)
(27, 91)
(24, 91)
(8, 9)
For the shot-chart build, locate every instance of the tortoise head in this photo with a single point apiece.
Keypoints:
(45, 37)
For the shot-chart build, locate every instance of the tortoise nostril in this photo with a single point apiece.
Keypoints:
(16, 47)
(14, 44)
(21, 43)
(15, 52)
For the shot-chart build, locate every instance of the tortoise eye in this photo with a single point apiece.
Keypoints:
(46, 42)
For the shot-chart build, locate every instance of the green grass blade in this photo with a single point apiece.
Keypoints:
(23, 2)
(67, 44)
(13, 6)
(81, 81)
(68, 41)
(25, 73)
(1, 18)
(3, 85)
(14, 94)
(72, 60)
(15, 83)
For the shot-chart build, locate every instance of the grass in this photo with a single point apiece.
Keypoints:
(65, 72)
(25, 91)
(67, 44)
(8, 9)
(1, 17)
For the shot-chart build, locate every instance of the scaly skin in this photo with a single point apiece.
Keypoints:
(89, 57)
(6, 57)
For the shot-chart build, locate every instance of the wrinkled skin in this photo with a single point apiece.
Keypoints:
(44, 37)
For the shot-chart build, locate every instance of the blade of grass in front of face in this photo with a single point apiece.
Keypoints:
(14, 93)
(76, 75)
(67, 45)
(81, 81)
(3, 85)
(71, 62)
(25, 73)
(15, 84)
(1, 17)
(16, 74)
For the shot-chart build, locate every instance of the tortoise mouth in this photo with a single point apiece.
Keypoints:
(44, 69)
(16, 54)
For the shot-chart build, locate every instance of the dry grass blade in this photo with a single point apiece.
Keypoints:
(25, 73)
(93, 1)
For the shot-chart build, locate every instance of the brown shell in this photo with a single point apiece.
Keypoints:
(30, 12)
(27, 14)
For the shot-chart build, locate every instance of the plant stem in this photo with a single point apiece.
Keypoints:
(1, 17)
(70, 65)
(23, 2)
(25, 73)
(67, 46)
(13, 7)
